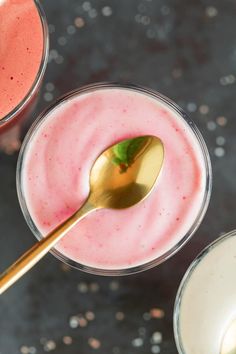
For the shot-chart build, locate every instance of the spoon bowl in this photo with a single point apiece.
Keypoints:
(123, 175)
(126, 173)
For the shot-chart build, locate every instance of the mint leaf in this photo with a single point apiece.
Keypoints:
(134, 147)
(120, 150)
(126, 151)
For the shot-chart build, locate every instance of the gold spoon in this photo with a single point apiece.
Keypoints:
(228, 345)
(122, 176)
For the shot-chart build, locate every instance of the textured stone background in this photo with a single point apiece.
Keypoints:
(186, 50)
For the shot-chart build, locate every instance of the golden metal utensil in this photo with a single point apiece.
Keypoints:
(122, 176)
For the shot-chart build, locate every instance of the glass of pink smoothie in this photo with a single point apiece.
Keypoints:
(23, 57)
(53, 178)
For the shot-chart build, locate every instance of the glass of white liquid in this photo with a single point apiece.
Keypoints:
(205, 304)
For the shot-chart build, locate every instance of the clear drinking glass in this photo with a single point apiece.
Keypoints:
(207, 313)
(168, 103)
(26, 105)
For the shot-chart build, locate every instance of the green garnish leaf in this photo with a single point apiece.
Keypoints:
(134, 148)
(126, 151)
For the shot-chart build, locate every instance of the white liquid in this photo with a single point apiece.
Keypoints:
(209, 300)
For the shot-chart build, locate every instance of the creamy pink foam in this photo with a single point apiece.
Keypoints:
(21, 48)
(56, 178)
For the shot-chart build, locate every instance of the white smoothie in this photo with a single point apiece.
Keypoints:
(207, 302)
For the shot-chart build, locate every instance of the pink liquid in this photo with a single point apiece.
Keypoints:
(21, 49)
(56, 178)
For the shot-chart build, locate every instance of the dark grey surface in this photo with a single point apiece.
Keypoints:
(187, 52)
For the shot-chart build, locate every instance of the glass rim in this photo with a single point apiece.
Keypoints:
(151, 93)
(38, 79)
(184, 282)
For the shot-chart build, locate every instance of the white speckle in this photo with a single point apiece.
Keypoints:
(137, 342)
(51, 28)
(92, 13)
(211, 11)
(146, 316)
(50, 86)
(48, 96)
(74, 322)
(219, 151)
(82, 288)
(49, 346)
(82, 321)
(191, 107)
(90, 315)
(107, 11)
(211, 125)
(227, 80)
(86, 6)
(138, 18)
(155, 349)
(67, 340)
(62, 41)
(120, 316)
(53, 54)
(94, 287)
(114, 285)
(157, 312)
(222, 121)
(220, 140)
(165, 10)
(142, 331)
(141, 8)
(156, 338)
(94, 343)
(24, 349)
(32, 350)
(204, 109)
(71, 29)
(145, 20)
(79, 22)
(59, 59)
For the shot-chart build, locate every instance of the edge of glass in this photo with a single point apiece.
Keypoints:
(23, 103)
(184, 239)
(184, 282)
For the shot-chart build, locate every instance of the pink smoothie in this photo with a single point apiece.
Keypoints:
(21, 50)
(56, 169)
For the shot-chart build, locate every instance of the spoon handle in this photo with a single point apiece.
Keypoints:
(34, 254)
